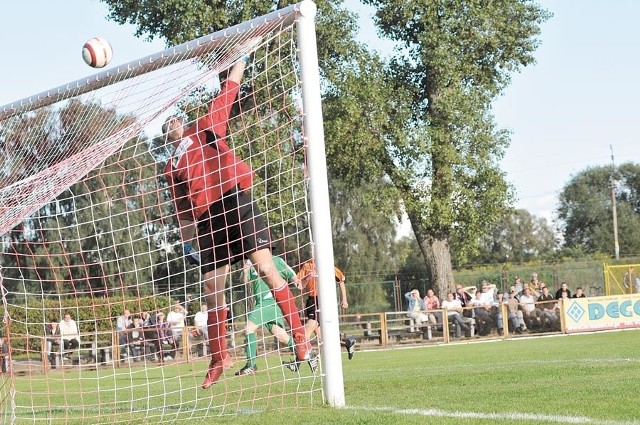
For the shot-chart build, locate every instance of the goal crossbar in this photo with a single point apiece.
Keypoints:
(188, 50)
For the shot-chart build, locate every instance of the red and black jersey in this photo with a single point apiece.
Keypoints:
(203, 167)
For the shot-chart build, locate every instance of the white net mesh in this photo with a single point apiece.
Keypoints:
(88, 229)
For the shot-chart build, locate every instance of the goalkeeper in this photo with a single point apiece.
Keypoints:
(210, 186)
(265, 313)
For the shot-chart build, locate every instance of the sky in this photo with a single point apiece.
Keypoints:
(567, 112)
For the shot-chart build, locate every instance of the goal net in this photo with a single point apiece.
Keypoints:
(89, 234)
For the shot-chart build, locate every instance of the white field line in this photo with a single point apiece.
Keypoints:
(515, 416)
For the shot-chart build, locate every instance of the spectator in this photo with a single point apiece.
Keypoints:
(534, 284)
(454, 313)
(496, 311)
(176, 320)
(200, 323)
(517, 285)
(122, 324)
(533, 292)
(488, 292)
(563, 292)
(463, 297)
(432, 305)
(69, 334)
(514, 313)
(135, 338)
(528, 306)
(166, 345)
(52, 334)
(547, 306)
(416, 307)
(147, 319)
(481, 312)
(579, 293)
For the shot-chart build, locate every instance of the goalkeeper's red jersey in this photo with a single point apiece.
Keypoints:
(203, 167)
(309, 278)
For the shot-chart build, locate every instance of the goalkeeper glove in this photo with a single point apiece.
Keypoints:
(193, 256)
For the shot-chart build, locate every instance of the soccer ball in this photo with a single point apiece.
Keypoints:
(97, 52)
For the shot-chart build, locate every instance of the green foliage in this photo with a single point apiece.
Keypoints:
(520, 237)
(585, 210)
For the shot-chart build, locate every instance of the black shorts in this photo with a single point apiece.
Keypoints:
(232, 228)
(311, 310)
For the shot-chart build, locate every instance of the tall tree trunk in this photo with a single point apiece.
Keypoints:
(437, 256)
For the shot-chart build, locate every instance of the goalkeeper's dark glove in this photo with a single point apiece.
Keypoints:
(193, 256)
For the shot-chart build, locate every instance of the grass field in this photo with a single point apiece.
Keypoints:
(588, 378)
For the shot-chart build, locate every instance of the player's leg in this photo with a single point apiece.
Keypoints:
(312, 324)
(282, 336)
(214, 285)
(251, 348)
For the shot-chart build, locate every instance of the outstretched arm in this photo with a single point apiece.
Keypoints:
(237, 71)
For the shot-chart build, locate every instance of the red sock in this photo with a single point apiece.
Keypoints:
(217, 329)
(287, 304)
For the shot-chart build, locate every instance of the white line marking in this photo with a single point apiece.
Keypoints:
(513, 416)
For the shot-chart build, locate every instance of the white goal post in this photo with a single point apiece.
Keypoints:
(87, 230)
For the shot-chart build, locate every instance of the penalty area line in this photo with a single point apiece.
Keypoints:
(513, 416)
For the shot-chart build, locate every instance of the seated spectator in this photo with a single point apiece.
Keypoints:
(415, 309)
(122, 323)
(547, 305)
(200, 322)
(514, 313)
(147, 319)
(69, 334)
(579, 293)
(534, 284)
(52, 335)
(432, 304)
(496, 312)
(135, 338)
(176, 320)
(454, 313)
(529, 310)
(463, 296)
(166, 345)
(517, 285)
(482, 314)
(488, 292)
(563, 292)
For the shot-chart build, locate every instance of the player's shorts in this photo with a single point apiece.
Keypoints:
(267, 315)
(232, 228)
(311, 310)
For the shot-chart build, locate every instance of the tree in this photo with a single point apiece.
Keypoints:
(520, 237)
(585, 210)
(429, 119)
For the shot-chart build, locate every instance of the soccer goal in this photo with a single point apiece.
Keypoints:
(90, 249)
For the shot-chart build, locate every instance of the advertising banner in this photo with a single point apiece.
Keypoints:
(602, 313)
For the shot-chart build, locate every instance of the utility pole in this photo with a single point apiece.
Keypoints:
(613, 205)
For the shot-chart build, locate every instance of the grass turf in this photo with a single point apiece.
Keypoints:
(588, 378)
